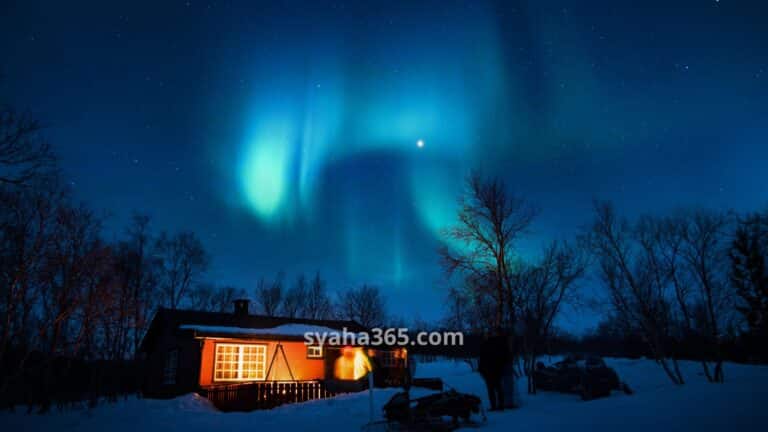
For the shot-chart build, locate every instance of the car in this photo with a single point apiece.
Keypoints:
(588, 376)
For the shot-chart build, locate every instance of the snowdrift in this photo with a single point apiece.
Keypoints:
(658, 404)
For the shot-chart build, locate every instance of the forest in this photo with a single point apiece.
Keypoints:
(75, 303)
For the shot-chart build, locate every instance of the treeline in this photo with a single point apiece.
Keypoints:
(690, 284)
(74, 306)
(704, 287)
(66, 291)
(609, 339)
(308, 298)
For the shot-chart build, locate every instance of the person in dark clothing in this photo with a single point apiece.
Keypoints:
(494, 354)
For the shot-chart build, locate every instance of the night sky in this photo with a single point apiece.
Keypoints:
(333, 136)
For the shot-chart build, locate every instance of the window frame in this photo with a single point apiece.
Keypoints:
(317, 356)
(171, 367)
(240, 361)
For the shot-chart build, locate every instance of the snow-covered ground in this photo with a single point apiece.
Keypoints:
(742, 402)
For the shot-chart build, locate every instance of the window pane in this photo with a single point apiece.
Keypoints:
(245, 362)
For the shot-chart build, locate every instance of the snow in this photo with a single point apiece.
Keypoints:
(281, 330)
(657, 404)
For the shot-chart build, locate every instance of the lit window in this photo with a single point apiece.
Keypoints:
(169, 369)
(314, 351)
(240, 362)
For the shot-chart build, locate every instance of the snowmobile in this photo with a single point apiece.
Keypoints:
(438, 412)
(588, 376)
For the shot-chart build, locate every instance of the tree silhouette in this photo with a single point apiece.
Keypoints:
(23, 154)
(490, 220)
(749, 276)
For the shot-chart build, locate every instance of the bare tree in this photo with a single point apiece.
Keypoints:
(295, 298)
(182, 261)
(133, 289)
(639, 286)
(705, 254)
(688, 252)
(201, 297)
(208, 297)
(749, 278)
(490, 221)
(143, 272)
(23, 155)
(27, 227)
(544, 287)
(468, 312)
(104, 315)
(459, 311)
(68, 262)
(364, 305)
(472, 305)
(224, 297)
(117, 307)
(269, 295)
(317, 305)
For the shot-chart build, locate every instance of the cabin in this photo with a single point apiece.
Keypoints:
(242, 361)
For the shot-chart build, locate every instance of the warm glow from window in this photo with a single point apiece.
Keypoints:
(351, 365)
(235, 362)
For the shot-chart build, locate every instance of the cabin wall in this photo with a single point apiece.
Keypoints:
(303, 368)
(187, 365)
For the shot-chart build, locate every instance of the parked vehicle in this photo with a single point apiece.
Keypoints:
(585, 375)
(429, 413)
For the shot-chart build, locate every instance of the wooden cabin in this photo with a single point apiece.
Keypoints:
(254, 360)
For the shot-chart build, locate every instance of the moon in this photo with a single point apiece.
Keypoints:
(420, 143)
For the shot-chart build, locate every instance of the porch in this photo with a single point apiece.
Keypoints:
(263, 395)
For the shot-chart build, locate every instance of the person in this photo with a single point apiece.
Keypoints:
(509, 375)
(494, 356)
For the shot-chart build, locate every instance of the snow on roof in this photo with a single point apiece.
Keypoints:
(281, 330)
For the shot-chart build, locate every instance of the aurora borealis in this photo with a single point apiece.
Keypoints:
(285, 133)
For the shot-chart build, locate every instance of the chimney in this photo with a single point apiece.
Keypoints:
(241, 307)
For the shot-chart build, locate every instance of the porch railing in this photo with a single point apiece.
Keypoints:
(263, 395)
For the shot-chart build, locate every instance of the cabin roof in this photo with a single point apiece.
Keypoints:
(228, 324)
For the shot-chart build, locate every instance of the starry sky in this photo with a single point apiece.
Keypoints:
(298, 136)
